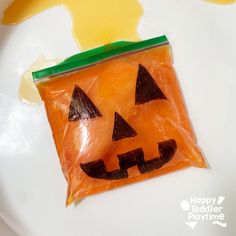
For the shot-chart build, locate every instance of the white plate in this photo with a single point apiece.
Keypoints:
(32, 187)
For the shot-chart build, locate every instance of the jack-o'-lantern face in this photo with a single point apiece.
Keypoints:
(119, 121)
(147, 90)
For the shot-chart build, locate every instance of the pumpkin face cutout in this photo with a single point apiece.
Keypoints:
(119, 122)
(81, 107)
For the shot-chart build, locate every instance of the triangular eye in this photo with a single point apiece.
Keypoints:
(146, 87)
(122, 129)
(81, 107)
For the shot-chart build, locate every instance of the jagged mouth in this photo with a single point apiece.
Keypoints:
(97, 169)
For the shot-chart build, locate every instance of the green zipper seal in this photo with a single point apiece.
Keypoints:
(97, 55)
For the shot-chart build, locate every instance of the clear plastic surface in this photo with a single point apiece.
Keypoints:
(120, 121)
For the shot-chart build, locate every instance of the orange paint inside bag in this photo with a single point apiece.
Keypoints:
(119, 121)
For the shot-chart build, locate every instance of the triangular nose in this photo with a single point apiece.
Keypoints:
(122, 129)
(81, 107)
(146, 87)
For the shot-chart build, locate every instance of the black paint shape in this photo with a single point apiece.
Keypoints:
(167, 150)
(136, 157)
(146, 87)
(97, 169)
(131, 158)
(81, 107)
(122, 129)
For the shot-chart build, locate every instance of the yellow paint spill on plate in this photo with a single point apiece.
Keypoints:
(95, 22)
(28, 92)
(223, 2)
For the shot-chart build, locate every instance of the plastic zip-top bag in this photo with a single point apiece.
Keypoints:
(117, 116)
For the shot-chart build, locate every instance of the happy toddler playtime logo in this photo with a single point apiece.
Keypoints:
(204, 209)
